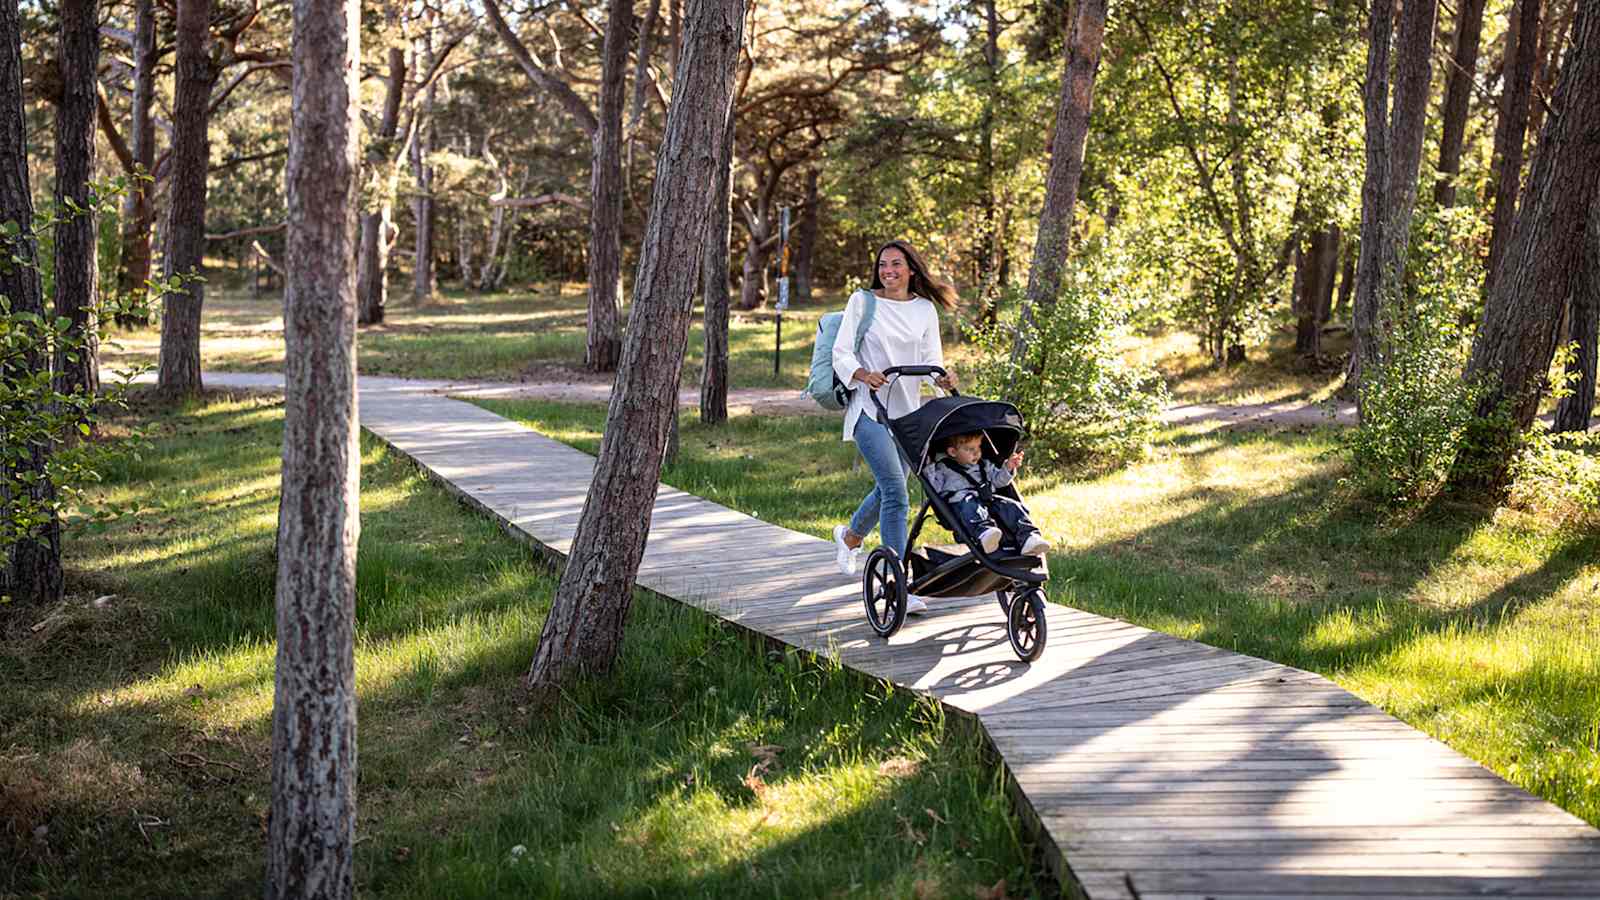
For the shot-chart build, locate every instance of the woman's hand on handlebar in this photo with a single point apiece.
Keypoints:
(873, 380)
(947, 382)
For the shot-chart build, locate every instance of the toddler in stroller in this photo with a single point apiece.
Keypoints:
(967, 481)
(978, 563)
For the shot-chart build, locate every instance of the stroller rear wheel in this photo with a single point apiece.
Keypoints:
(1025, 624)
(883, 591)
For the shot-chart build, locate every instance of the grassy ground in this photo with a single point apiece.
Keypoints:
(135, 732)
(1481, 627)
(538, 334)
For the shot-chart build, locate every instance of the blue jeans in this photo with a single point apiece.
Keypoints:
(888, 505)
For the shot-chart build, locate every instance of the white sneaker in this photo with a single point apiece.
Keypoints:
(916, 606)
(1035, 545)
(990, 539)
(844, 555)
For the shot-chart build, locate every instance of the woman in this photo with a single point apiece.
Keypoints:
(904, 331)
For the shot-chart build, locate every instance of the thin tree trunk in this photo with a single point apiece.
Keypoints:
(77, 266)
(1510, 135)
(714, 288)
(1066, 168)
(1394, 155)
(805, 238)
(372, 270)
(1583, 319)
(583, 633)
(179, 369)
(138, 210)
(1317, 266)
(753, 276)
(1553, 34)
(424, 280)
(1544, 261)
(1330, 273)
(988, 242)
(1457, 97)
(31, 576)
(1347, 281)
(312, 830)
(605, 185)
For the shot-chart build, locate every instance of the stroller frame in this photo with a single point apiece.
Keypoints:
(954, 571)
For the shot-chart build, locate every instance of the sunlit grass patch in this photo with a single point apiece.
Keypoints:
(1482, 627)
(135, 726)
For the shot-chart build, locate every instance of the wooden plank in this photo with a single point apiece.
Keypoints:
(1258, 884)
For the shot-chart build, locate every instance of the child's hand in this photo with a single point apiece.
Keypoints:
(1014, 461)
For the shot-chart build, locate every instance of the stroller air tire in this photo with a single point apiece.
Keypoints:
(1025, 624)
(883, 591)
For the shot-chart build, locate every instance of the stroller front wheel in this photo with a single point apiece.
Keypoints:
(883, 591)
(1025, 624)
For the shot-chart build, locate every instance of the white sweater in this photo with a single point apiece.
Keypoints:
(902, 333)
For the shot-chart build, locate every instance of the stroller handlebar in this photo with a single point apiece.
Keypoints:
(914, 371)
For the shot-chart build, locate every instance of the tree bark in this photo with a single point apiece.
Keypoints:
(988, 242)
(1544, 261)
(179, 370)
(138, 209)
(753, 275)
(1347, 281)
(583, 633)
(714, 288)
(31, 576)
(1318, 264)
(1330, 274)
(1457, 97)
(1394, 155)
(1066, 168)
(805, 238)
(311, 833)
(1511, 133)
(1583, 319)
(77, 268)
(605, 186)
(424, 278)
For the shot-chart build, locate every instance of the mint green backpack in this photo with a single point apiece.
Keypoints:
(824, 386)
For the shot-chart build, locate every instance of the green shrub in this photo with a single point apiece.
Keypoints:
(1415, 405)
(1080, 399)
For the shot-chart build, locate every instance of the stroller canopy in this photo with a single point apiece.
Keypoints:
(920, 433)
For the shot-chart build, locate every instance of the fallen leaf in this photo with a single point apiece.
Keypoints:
(997, 891)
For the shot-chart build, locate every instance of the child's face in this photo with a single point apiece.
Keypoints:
(967, 450)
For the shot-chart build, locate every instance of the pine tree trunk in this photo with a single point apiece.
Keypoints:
(605, 183)
(31, 576)
(714, 289)
(1329, 274)
(424, 281)
(77, 266)
(179, 370)
(753, 276)
(1066, 167)
(988, 241)
(1583, 319)
(1544, 261)
(805, 238)
(1394, 155)
(1511, 132)
(372, 271)
(1347, 281)
(1457, 97)
(311, 833)
(583, 633)
(138, 210)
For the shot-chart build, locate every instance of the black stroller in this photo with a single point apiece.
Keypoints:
(964, 569)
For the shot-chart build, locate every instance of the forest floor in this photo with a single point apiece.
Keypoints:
(135, 724)
(531, 343)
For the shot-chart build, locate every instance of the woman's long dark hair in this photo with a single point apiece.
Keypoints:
(923, 284)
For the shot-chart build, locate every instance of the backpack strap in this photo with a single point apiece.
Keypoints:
(866, 318)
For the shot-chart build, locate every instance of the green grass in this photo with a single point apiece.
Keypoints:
(1481, 627)
(135, 730)
(496, 337)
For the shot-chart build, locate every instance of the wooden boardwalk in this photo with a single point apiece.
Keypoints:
(1151, 768)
